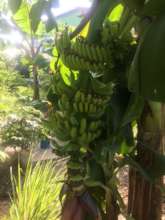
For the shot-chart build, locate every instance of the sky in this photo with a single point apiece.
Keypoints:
(67, 5)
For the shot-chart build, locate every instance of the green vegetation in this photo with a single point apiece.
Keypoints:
(87, 88)
(36, 192)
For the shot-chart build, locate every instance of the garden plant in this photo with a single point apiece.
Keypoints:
(107, 94)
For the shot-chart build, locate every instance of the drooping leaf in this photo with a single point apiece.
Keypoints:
(36, 13)
(134, 110)
(14, 5)
(154, 171)
(147, 70)
(102, 88)
(116, 13)
(143, 171)
(21, 18)
(64, 190)
(84, 32)
(118, 106)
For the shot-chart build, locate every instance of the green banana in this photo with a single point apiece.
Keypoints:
(73, 120)
(105, 35)
(77, 61)
(94, 108)
(89, 137)
(61, 106)
(92, 51)
(82, 97)
(104, 53)
(75, 107)
(84, 52)
(87, 65)
(83, 125)
(67, 125)
(91, 108)
(73, 132)
(100, 58)
(83, 138)
(64, 103)
(77, 96)
(86, 107)
(81, 109)
(93, 126)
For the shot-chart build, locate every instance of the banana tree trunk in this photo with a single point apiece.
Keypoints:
(144, 201)
(36, 92)
(112, 211)
(72, 210)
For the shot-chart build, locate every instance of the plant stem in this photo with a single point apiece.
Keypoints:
(144, 202)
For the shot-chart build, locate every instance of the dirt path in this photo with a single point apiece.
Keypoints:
(4, 207)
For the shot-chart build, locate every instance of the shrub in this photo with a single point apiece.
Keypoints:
(21, 131)
(36, 195)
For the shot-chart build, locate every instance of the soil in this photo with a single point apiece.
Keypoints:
(4, 207)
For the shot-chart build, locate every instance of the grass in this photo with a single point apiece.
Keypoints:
(37, 196)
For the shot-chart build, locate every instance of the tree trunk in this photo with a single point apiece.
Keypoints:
(112, 211)
(144, 200)
(73, 210)
(36, 93)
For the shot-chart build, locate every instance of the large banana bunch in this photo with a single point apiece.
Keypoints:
(109, 32)
(82, 131)
(79, 117)
(80, 55)
(91, 52)
(76, 62)
(124, 44)
(90, 104)
(63, 41)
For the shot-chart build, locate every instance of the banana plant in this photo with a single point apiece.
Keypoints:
(97, 102)
(27, 20)
(145, 79)
(91, 119)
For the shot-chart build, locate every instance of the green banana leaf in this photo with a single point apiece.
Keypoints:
(134, 109)
(153, 172)
(116, 13)
(146, 76)
(36, 12)
(102, 88)
(14, 5)
(21, 18)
